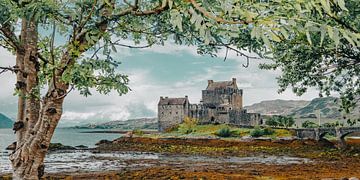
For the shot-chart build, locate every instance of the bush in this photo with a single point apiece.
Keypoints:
(223, 132)
(309, 124)
(188, 126)
(257, 132)
(138, 132)
(268, 131)
(280, 121)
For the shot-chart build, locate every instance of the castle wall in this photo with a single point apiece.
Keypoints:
(171, 115)
(214, 98)
(243, 118)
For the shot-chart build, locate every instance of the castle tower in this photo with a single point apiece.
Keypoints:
(222, 93)
(172, 111)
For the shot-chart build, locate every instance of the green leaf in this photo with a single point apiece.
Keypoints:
(326, 5)
(341, 4)
(322, 32)
(113, 48)
(274, 37)
(308, 36)
(347, 37)
(170, 4)
(266, 41)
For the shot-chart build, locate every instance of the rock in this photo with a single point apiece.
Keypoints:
(262, 139)
(59, 146)
(81, 147)
(129, 134)
(104, 141)
(11, 146)
(326, 143)
(353, 178)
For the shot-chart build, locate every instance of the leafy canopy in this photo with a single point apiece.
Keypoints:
(314, 43)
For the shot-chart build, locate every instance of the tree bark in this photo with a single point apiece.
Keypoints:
(34, 133)
(27, 160)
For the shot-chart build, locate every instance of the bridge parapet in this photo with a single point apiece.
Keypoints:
(319, 133)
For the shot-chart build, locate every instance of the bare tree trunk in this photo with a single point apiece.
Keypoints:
(27, 160)
(21, 85)
(35, 124)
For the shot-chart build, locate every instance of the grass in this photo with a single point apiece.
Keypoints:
(210, 130)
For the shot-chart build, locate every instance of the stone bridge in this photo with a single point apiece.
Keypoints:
(319, 133)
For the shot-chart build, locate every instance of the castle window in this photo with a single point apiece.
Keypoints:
(176, 112)
(170, 112)
(162, 112)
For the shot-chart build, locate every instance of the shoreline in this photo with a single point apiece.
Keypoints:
(170, 159)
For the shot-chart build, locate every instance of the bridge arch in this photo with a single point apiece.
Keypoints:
(324, 133)
(343, 135)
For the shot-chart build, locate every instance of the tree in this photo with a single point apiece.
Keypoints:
(65, 45)
(280, 121)
(325, 56)
(309, 124)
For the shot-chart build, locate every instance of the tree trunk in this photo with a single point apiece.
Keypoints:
(27, 160)
(37, 120)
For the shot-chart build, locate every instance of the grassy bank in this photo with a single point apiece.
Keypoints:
(221, 131)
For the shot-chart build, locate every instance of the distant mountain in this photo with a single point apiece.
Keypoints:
(5, 122)
(327, 106)
(141, 123)
(276, 107)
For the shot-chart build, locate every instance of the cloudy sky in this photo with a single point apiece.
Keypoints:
(170, 70)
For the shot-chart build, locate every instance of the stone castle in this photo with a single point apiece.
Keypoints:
(222, 103)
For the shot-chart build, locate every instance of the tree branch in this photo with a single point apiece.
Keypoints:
(12, 69)
(11, 38)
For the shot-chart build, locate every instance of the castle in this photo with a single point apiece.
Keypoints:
(222, 103)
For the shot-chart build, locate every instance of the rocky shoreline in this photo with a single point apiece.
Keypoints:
(178, 158)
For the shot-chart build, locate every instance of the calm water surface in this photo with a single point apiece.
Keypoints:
(71, 137)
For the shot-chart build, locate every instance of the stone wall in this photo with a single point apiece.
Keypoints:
(243, 118)
(171, 115)
(214, 98)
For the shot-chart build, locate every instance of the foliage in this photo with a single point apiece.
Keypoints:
(322, 56)
(138, 132)
(223, 132)
(352, 122)
(280, 121)
(332, 124)
(257, 131)
(309, 124)
(188, 126)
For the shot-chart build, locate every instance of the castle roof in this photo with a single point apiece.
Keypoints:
(221, 84)
(172, 101)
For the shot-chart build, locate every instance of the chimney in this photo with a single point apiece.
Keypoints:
(210, 82)
(166, 97)
(161, 98)
(234, 80)
(186, 97)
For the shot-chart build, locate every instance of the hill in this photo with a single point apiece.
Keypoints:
(327, 106)
(141, 123)
(276, 107)
(5, 122)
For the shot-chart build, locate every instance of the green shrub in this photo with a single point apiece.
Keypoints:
(188, 126)
(280, 121)
(257, 132)
(223, 132)
(268, 131)
(309, 124)
(138, 132)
